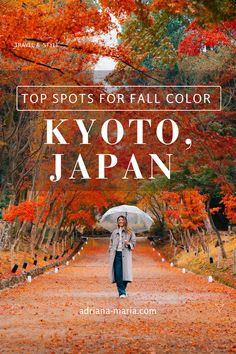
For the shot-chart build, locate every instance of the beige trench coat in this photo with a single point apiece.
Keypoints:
(126, 254)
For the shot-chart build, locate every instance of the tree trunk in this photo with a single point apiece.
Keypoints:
(202, 240)
(215, 229)
(208, 226)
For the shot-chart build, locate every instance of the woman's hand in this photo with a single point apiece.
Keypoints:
(132, 242)
(126, 242)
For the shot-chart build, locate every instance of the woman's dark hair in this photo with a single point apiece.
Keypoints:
(126, 227)
(123, 217)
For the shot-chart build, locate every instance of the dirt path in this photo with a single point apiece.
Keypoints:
(49, 314)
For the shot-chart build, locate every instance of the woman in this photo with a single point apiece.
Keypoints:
(122, 242)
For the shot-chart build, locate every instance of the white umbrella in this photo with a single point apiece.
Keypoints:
(137, 219)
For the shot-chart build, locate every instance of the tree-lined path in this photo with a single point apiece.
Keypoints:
(45, 316)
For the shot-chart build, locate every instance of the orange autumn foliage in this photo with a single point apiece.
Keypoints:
(185, 209)
(197, 38)
(193, 211)
(25, 211)
(82, 217)
(229, 202)
(70, 25)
